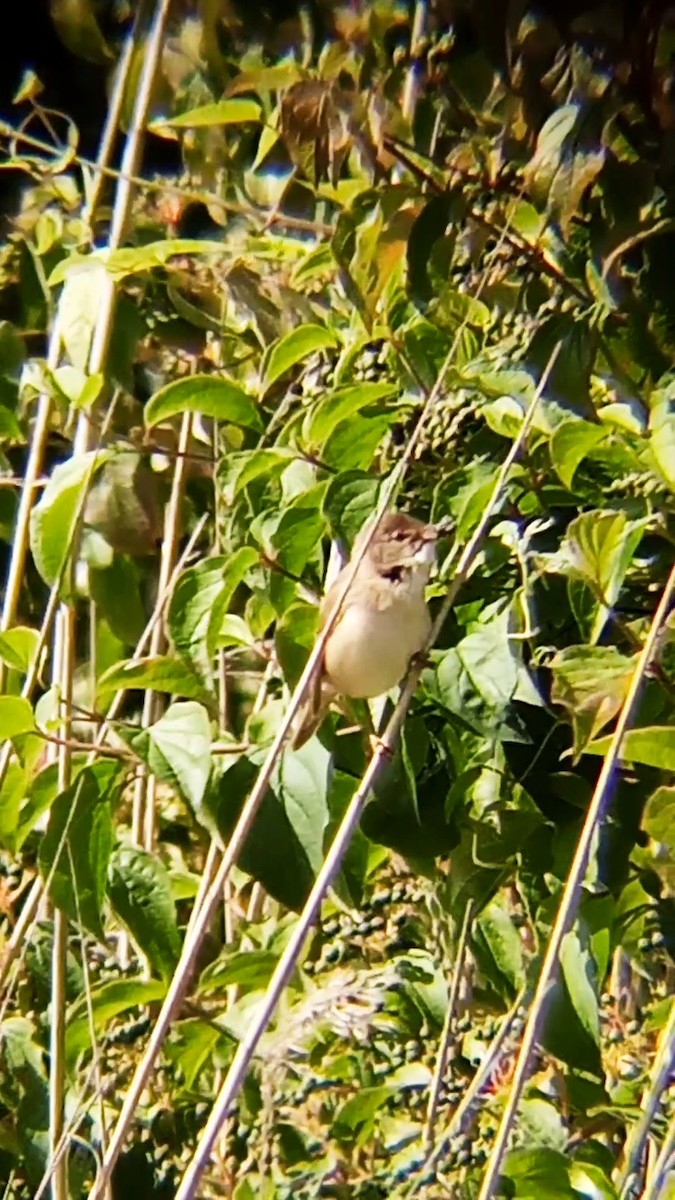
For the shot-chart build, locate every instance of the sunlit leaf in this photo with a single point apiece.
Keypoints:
(75, 849)
(177, 749)
(223, 112)
(54, 519)
(140, 893)
(211, 395)
(293, 348)
(591, 682)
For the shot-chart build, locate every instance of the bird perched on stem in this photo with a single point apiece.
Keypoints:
(383, 621)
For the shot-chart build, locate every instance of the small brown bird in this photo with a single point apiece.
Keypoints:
(382, 623)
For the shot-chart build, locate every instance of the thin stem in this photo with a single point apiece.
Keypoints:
(63, 677)
(570, 898)
(663, 1167)
(637, 1139)
(442, 1056)
(248, 211)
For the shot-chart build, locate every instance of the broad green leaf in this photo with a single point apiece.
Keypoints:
(116, 591)
(223, 112)
(54, 520)
(540, 1124)
(598, 548)
(350, 499)
(131, 261)
(499, 949)
(658, 818)
(18, 647)
(294, 637)
(238, 470)
(16, 717)
(78, 309)
(75, 849)
(107, 1002)
(297, 537)
(653, 746)
(540, 1174)
(12, 792)
(340, 405)
(211, 395)
(352, 446)
(159, 674)
(545, 162)
(140, 893)
(570, 444)
(302, 786)
(193, 1045)
(358, 1112)
(251, 970)
(481, 677)
(200, 602)
(177, 749)
(292, 348)
(272, 853)
(591, 683)
(266, 79)
(662, 442)
(453, 308)
(579, 974)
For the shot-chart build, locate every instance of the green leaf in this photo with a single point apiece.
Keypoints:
(480, 678)
(658, 818)
(352, 446)
(272, 853)
(54, 520)
(662, 435)
(340, 405)
(130, 261)
(541, 1174)
(79, 304)
(351, 498)
(238, 470)
(159, 674)
(579, 975)
(499, 949)
(223, 112)
(251, 970)
(116, 592)
(211, 395)
(140, 892)
(591, 683)
(653, 746)
(75, 849)
(598, 548)
(302, 787)
(570, 444)
(107, 1002)
(453, 308)
(16, 717)
(292, 348)
(177, 749)
(200, 602)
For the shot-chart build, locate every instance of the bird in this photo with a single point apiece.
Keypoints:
(383, 621)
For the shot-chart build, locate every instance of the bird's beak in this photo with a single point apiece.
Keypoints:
(430, 533)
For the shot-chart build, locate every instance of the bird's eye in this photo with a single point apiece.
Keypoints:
(399, 535)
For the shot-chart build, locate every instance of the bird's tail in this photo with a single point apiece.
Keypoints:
(312, 712)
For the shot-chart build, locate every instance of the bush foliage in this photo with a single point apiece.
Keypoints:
(393, 240)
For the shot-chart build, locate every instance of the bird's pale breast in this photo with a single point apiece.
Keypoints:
(369, 650)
